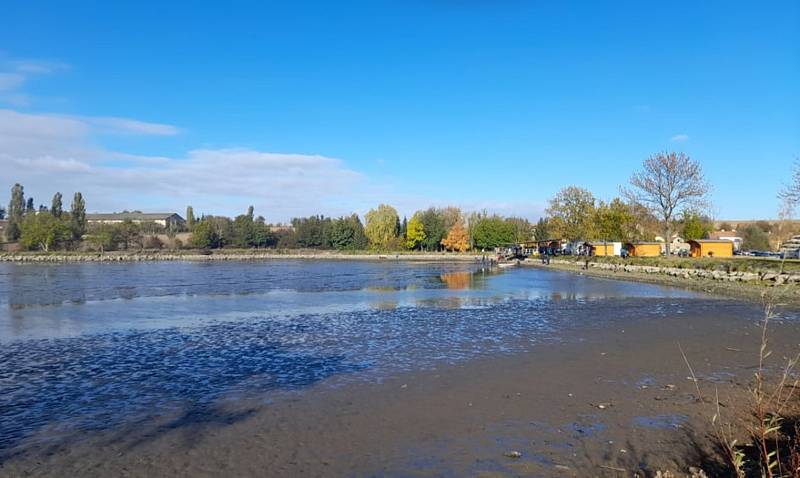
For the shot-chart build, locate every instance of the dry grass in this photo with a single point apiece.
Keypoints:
(770, 427)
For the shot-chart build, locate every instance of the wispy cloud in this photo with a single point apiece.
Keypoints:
(36, 67)
(14, 74)
(11, 81)
(130, 126)
(679, 138)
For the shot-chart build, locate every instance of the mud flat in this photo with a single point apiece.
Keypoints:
(546, 373)
(596, 401)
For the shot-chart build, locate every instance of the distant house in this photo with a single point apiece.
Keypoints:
(169, 220)
(728, 236)
(644, 249)
(551, 246)
(280, 228)
(711, 248)
(676, 246)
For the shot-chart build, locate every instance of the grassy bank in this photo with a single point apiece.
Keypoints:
(786, 293)
(734, 264)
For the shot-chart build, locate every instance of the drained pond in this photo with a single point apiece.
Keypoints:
(91, 347)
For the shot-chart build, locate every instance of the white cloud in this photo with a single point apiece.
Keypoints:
(130, 126)
(48, 153)
(679, 138)
(36, 67)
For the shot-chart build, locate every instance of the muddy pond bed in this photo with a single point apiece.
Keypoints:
(331, 368)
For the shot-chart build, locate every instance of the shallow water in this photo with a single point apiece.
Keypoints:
(90, 346)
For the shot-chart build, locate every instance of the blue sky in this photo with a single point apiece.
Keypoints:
(333, 107)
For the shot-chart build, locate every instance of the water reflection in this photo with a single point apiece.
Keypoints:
(457, 280)
(86, 347)
(39, 301)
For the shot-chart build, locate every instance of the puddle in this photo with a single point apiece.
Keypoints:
(660, 421)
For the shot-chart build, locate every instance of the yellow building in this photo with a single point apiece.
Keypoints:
(604, 248)
(644, 249)
(710, 248)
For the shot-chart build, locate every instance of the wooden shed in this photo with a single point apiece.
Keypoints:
(604, 248)
(710, 248)
(644, 249)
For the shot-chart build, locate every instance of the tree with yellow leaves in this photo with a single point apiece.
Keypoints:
(457, 238)
(415, 232)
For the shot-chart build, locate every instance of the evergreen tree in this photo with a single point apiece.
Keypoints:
(250, 212)
(30, 208)
(190, 218)
(56, 208)
(16, 209)
(244, 231)
(206, 235)
(78, 216)
(312, 231)
(347, 233)
(434, 227)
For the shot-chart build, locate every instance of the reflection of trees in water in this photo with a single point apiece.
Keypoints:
(381, 288)
(457, 280)
(384, 303)
(442, 303)
(467, 279)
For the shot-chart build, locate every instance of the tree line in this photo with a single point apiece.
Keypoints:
(433, 229)
(669, 194)
(44, 228)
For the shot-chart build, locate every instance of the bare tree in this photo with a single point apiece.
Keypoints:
(668, 184)
(791, 192)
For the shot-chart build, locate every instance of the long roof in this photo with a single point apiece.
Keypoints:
(139, 216)
(712, 241)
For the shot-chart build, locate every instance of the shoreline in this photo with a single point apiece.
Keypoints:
(786, 293)
(233, 255)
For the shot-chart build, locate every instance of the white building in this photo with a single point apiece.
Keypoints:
(165, 219)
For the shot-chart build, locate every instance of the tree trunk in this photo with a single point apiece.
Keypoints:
(668, 240)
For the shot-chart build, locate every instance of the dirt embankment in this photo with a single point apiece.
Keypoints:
(753, 285)
(232, 255)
